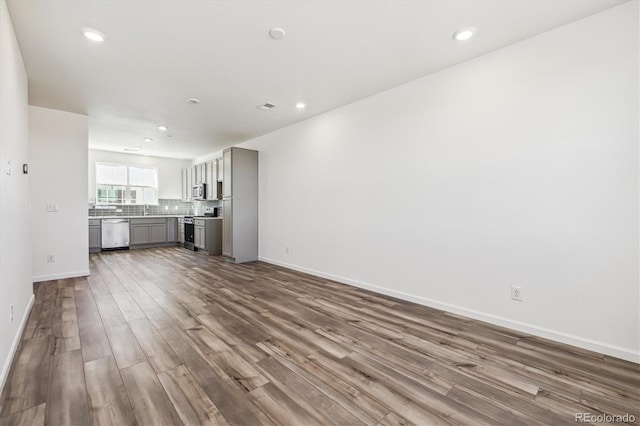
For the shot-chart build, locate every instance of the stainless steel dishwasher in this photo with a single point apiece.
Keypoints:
(115, 233)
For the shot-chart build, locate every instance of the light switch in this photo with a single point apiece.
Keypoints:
(9, 167)
(52, 208)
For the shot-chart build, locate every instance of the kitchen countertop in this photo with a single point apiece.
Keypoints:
(149, 216)
(154, 217)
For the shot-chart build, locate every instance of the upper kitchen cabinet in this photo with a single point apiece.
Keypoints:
(227, 189)
(186, 184)
(200, 173)
(220, 169)
(240, 205)
(211, 173)
(206, 173)
(189, 179)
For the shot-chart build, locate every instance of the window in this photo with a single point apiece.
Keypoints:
(121, 184)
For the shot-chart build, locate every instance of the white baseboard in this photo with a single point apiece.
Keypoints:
(558, 336)
(40, 278)
(16, 342)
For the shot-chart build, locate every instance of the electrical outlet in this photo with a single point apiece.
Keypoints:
(52, 208)
(11, 313)
(516, 292)
(286, 250)
(51, 258)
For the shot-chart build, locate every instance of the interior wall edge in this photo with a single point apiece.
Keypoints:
(6, 368)
(15, 233)
(626, 354)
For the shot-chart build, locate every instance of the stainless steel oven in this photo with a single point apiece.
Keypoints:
(189, 233)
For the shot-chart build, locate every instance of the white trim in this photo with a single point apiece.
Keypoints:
(61, 276)
(627, 354)
(16, 342)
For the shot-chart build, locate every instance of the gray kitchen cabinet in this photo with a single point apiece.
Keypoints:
(143, 232)
(158, 233)
(208, 171)
(95, 235)
(240, 204)
(139, 234)
(152, 231)
(199, 236)
(227, 226)
(220, 169)
(187, 184)
(180, 230)
(211, 172)
(213, 236)
(183, 184)
(227, 157)
(199, 171)
(172, 229)
(207, 235)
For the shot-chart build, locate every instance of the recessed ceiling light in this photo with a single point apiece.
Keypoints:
(464, 33)
(301, 105)
(192, 100)
(93, 35)
(148, 140)
(133, 149)
(277, 33)
(266, 107)
(163, 128)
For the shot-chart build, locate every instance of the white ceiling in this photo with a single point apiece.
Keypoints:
(157, 53)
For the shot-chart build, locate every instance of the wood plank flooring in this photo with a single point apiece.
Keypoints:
(168, 337)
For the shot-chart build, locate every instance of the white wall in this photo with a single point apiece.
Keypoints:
(208, 157)
(58, 151)
(169, 171)
(519, 167)
(15, 243)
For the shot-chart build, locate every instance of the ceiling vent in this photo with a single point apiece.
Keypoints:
(266, 107)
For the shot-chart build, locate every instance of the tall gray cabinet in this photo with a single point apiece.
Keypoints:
(240, 204)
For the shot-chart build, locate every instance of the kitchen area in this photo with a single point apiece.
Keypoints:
(217, 213)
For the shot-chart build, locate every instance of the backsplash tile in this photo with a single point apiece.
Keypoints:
(164, 207)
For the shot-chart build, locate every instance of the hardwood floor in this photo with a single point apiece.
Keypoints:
(168, 337)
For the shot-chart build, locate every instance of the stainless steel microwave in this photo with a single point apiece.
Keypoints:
(199, 192)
